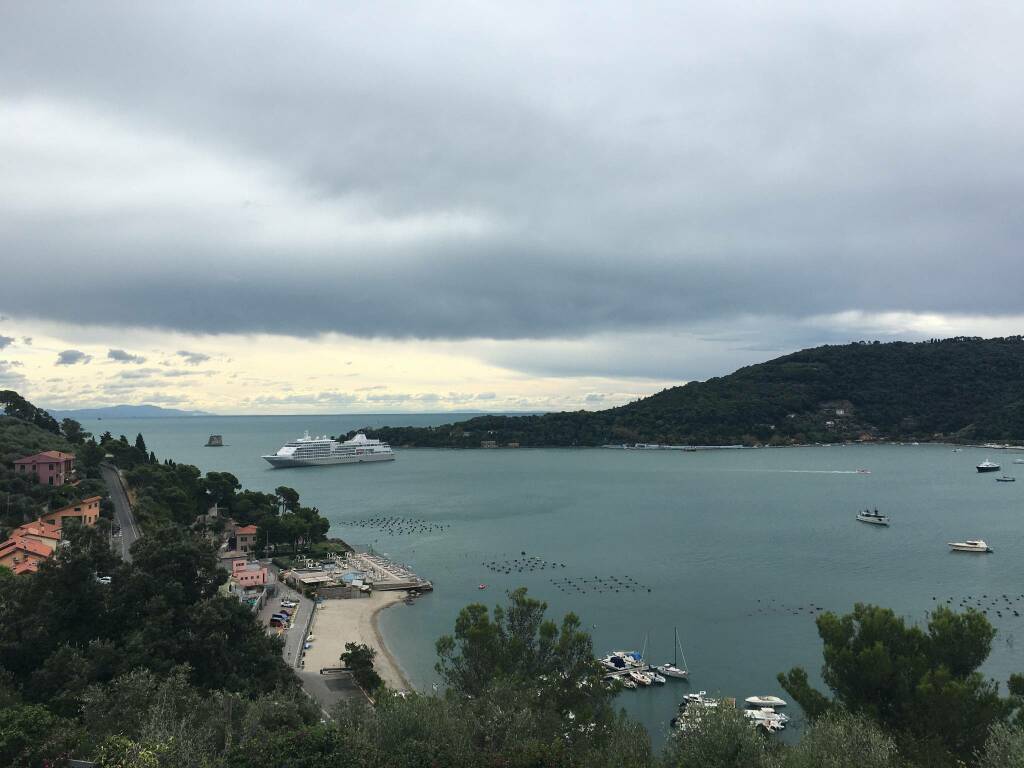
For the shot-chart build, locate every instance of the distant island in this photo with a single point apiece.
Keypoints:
(125, 412)
(961, 389)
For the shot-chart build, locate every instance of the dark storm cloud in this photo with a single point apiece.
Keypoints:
(120, 356)
(551, 172)
(72, 357)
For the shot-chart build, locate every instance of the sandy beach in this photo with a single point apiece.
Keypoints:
(337, 622)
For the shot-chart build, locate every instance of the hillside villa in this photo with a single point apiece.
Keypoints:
(48, 467)
(29, 544)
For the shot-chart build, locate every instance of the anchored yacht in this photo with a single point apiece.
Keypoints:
(874, 518)
(988, 466)
(318, 451)
(971, 545)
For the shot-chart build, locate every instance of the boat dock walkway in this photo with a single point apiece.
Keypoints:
(620, 673)
(387, 574)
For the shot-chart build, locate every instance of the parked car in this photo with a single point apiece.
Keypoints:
(289, 604)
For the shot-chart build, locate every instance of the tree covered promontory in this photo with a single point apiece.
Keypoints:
(966, 389)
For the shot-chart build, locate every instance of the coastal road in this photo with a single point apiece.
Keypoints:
(122, 510)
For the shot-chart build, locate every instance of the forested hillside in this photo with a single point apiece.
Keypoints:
(965, 389)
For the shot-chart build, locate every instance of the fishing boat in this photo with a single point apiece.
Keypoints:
(764, 701)
(215, 441)
(873, 518)
(673, 669)
(971, 545)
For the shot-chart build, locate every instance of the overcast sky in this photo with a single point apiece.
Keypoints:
(500, 206)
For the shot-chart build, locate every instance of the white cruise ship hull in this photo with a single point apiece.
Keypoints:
(281, 462)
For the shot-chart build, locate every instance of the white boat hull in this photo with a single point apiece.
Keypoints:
(974, 550)
(669, 670)
(874, 520)
(281, 462)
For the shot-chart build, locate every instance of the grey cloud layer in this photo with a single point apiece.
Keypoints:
(634, 169)
(120, 356)
(72, 357)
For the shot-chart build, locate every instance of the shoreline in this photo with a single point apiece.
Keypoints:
(354, 620)
(383, 650)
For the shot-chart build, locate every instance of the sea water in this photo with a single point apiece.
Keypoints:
(738, 549)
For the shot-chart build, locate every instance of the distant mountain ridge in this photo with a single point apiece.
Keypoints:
(124, 412)
(959, 389)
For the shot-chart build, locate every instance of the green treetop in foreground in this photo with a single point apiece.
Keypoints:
(922, 685)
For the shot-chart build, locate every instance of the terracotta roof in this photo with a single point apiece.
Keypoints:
(246, 529)
(26, 566)
(70, 508)
(37, 528)
(25, 545)
(45, 456)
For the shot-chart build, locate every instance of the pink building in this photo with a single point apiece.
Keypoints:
(49, 467)
(248, 575)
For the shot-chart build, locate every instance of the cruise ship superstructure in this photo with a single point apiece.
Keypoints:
(309, 451)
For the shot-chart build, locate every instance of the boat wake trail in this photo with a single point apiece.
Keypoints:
(806, 471)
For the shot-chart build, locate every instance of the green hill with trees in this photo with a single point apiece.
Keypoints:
(959, 389)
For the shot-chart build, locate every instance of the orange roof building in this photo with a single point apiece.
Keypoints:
(22, 555)
(42, 533)
(86, 512)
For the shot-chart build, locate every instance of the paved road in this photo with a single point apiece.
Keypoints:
(122, 510)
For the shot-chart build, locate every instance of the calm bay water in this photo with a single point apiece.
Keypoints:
(733, 547)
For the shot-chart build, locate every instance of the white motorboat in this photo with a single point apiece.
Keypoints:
(767, 718)
(627, 683)
(620, 661)
(673, 669)
(655, 677)
(1006, 479)
(971, 545)
(640, 678)
(1018, 461)
(764, 701)
(872, 518)
(988, 466)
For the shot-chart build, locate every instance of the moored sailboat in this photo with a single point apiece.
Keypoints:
(673, 669)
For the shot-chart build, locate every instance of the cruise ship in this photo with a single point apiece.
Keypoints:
(309, 451)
